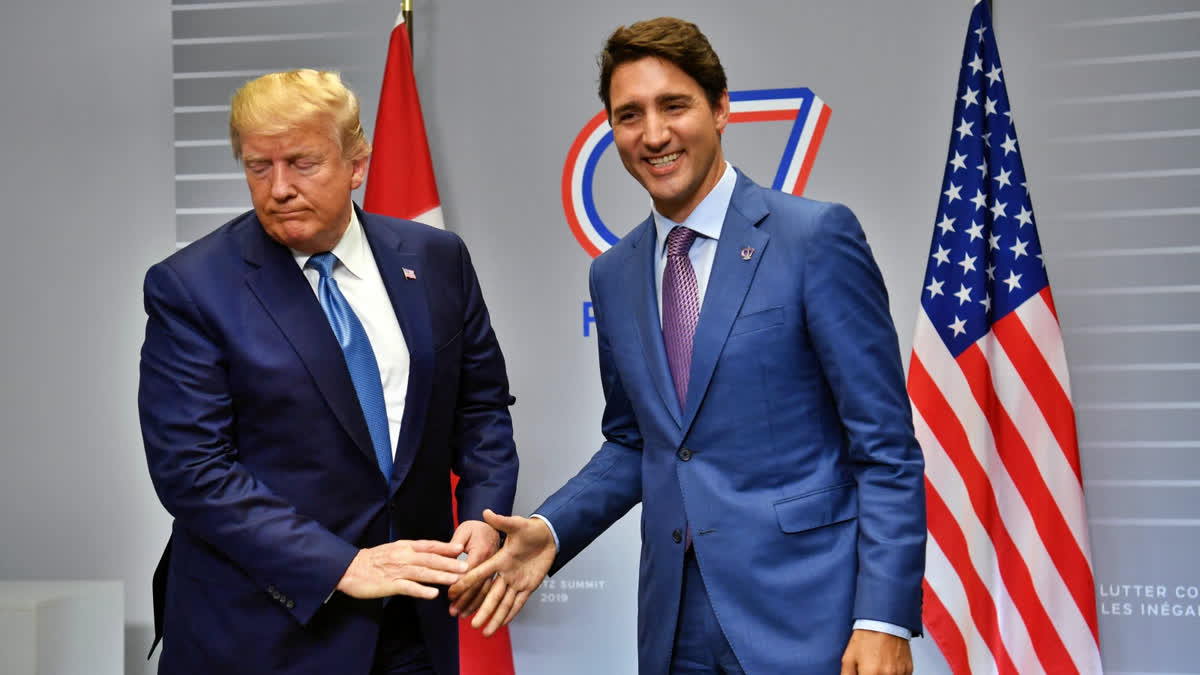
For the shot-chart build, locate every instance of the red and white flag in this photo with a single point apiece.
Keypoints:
(1008, 579)
(400, 183)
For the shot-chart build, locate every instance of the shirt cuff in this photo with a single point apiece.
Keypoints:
(883, 627)
(549, 525)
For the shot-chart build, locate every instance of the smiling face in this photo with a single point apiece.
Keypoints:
(667, 133)
(300, 185)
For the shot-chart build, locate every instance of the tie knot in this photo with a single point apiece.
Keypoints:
(322, 263)
(679, 240)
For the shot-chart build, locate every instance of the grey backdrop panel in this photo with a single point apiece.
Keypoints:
(1106, 97)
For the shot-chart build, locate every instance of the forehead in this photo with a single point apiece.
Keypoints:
(308, 137)
(649, 78)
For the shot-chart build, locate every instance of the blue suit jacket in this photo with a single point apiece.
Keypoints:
(793, 458)
(258, 447)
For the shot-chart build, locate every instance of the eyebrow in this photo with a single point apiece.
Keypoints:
(673, 98)
(290, 157)
(662, 99)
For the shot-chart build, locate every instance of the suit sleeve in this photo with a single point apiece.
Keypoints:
(611, 482)
(852, 331)
(187, 415)
(485, 457)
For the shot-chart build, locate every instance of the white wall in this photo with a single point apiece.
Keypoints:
(87, 205)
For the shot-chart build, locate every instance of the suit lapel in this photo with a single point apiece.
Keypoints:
(411, 305)
(728, 284)
(639, 277)
(276, 280)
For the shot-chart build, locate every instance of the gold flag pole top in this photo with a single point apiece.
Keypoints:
(406, 11)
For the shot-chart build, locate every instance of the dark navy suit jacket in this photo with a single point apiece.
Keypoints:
(793, 459)
(258, 447)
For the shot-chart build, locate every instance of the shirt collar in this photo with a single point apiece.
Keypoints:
(708, 216)
(351, 249)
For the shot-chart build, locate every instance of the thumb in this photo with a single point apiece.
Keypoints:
(506, 524)
(461, 535)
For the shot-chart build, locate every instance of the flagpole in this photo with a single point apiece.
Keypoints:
(406, 11)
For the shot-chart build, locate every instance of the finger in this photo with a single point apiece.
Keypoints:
(413, 589)
(474, 606)
(462, 535)
(501, 612)
(469, 600)
(490, 601)
(478, 550)
(424, 575)
(518, 603)
(465, 599)
(849, 666)
(434, 562)
(447, 549)
(474, 577)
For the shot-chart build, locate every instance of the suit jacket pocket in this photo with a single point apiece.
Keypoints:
(817, 509)
(772, 316)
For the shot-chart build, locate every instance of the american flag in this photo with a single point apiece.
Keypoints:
(1008, 581)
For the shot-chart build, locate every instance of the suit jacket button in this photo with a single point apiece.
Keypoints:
(291, 605)
(684, 454)
(677, 535)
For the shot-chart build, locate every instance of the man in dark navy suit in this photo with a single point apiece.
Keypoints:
(311, 375)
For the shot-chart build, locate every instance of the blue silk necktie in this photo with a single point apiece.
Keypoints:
(360, 358)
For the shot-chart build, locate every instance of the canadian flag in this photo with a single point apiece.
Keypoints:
(400, 184)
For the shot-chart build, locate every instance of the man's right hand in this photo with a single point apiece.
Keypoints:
(514, 573)
(403, 567)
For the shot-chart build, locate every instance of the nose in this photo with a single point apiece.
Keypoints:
(657, 132)
(282, 188)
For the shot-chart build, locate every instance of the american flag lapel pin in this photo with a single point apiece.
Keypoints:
(747, 253)
(409, 274)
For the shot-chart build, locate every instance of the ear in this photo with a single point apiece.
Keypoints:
(721, 112)
(358, 171)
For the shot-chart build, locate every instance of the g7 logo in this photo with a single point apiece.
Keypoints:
(808, 113)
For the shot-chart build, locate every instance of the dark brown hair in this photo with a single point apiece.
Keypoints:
(674, 40)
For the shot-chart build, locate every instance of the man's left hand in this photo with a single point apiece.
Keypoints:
(480, 542)
(874, 653)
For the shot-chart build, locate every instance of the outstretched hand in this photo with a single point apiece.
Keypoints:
(496, 590)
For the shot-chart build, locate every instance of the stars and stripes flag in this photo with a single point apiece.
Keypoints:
(400, 183)
(1008, 581)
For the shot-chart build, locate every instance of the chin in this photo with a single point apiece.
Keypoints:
(297, 236)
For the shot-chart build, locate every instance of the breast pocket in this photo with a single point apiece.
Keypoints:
(755, 321)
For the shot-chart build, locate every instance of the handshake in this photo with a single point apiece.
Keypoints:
(492, 584)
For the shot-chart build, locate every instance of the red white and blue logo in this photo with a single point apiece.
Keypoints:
(808, 113)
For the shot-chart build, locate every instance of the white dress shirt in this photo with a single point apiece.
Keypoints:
(357, 276)
(706, 221)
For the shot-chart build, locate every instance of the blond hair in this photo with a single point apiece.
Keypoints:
(278, 102)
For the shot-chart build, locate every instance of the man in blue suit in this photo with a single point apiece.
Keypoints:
(755, 406)
(310, 376)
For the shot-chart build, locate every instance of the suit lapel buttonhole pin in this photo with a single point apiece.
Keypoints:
(747, 253)
(409, 274)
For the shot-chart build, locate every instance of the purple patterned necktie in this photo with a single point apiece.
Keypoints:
(680, 308)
